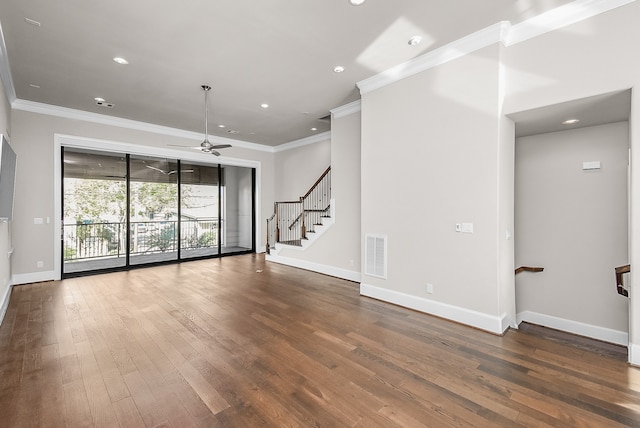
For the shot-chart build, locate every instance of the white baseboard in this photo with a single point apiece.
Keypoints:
(5, 302)
(576, 327)
(28, 278)
(490, 323)
(349, 275)
(634, 354)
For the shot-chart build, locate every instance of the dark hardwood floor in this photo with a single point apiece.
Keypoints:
(236, 342)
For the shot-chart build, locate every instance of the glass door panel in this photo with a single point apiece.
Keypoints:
(94, 210)
(198, 210)
(237, 209)
(153, 210)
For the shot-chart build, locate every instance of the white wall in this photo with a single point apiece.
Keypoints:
(297, 170)
(33, 141)
(430, 159)
(591, 57)
(443, 132)
(574, 224)
(337, 252)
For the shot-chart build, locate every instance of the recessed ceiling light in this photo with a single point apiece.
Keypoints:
(33, 85)
(232, 131)
(264, 105)
(356, 2)
(120, 60)
(570, 121)
(338, 69)
(32, 22)
(415, 40)
(221, 126)
(99, 99)
(314, 129)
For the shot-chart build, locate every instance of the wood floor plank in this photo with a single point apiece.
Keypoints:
(150, 411)
(127, 413)
(242, 342)
(76, 404)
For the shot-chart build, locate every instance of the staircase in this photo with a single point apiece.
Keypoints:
(297, 224)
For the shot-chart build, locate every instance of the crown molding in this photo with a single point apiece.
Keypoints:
(559, 17)
(503, 32)
(318, 138)
(442, 55)
(102, 119)
(346, 109)
(5, 71)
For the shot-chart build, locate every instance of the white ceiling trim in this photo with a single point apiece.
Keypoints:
(346, 109)
(303, 142)
(68, 113)
(559, 17)
(5, 70)
(503, 31)
(442, 55)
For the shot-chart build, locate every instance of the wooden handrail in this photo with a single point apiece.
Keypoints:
(297, 219)
(317, 182)
(528, 269)
(620, 270)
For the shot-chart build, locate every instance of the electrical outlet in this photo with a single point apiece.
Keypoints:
(39, 264)
(429, 288)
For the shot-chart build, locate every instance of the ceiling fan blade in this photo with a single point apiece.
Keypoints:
(221, 146)
(214, 152)
(156, 169)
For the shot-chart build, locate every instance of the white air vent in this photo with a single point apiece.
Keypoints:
(376, 256)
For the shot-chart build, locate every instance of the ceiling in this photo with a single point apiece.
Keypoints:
(280, 52)
(592, 111)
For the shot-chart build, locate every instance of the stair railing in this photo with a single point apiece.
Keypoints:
(271, 231)
(528, 269)
(316, 202)
(291, 220)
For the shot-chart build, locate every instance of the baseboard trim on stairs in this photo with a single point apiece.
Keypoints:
(349, 275)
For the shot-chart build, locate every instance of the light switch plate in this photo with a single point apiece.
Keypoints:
(466, 227)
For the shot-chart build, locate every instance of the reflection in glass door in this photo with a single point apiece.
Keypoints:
(198, 210)
(95, 210)
(153, 196)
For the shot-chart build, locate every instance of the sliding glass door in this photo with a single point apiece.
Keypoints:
(95, 211)
(199, 220)
(237, 209)
(153, 217)
(124, 210)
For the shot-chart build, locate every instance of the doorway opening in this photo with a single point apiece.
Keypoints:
(572, 215)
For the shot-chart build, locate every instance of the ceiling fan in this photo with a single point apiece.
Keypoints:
(206, 146)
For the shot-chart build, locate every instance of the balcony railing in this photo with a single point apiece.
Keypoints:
(107, 239)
